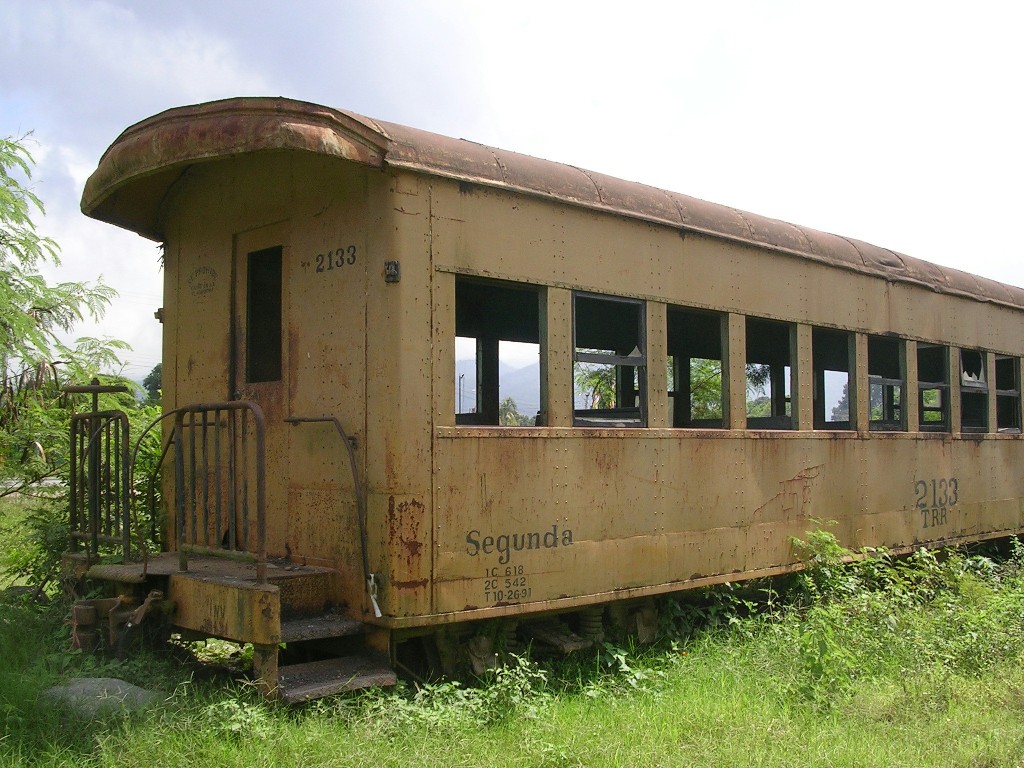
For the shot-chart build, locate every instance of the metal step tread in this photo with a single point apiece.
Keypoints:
(304, 682)
(320, 627)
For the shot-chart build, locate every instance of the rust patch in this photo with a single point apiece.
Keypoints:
(418, 583)
(793, 501)
(413, 547)
(405, 519)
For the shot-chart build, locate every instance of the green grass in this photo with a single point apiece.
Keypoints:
(874, 663)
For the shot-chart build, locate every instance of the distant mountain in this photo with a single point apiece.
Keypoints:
(521, 384)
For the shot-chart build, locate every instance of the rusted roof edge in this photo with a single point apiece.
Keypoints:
(136, 172)
(891, 276)
(153, 153)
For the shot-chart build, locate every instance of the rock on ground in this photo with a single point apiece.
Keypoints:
(95, 696)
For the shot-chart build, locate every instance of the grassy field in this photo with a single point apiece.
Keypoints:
(875, 663)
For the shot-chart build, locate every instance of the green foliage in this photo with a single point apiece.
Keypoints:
(35, 361)
(33, 540)
(596, 384)
(889, 662)
(705, 388)
(509, 415)
(869, 615)
(238, 718)
(153, 384)
(841, 410)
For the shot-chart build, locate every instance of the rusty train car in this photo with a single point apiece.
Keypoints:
(329, 483)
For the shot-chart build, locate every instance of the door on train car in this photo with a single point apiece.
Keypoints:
(259, 363)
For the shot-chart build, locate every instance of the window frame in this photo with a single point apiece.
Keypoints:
(617, 416)
(777, 377)
(821, 416)
(888, 422)
(680, 392)
(1004, 396)
(264, 315)
(974, 417)
(941, 386)
(521, 322)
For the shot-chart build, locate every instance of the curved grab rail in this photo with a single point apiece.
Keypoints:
(96, 447)
(358, 491)
(150, 484)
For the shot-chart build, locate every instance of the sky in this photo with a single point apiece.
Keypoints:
(897, 123)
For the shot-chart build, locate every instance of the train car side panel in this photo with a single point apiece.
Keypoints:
(399, 395)
(553, 514)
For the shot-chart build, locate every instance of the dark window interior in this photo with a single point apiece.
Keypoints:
(1007, 394)
(494, 387)
(695, 368)
(608, 362)
(263, 316)
(973, 391)
(769, 374)
(933, 387)
(886, 383)
(831, 355)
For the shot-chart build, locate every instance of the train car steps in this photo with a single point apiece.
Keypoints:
(297, 683)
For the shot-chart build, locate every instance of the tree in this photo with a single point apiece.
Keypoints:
(596, 384)
(841, 410)
(705, 388)
(509, 415)
(35, 360)
(153, 383)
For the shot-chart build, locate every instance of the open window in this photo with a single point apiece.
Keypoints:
(831, 354)
(263, 321)
(973, 391)
(1007, 394)
(769, 374)
(695, 368)
(497, 353)
(933, 387)
(608, 361)
(887, 383)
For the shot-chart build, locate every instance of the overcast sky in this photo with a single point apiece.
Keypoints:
(898, 123)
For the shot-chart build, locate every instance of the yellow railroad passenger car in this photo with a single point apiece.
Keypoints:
(743, 376)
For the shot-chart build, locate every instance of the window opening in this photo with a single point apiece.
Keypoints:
(695, 368)
(830, 351)
(465, 375)
(263, 320)
(608, 362)
(887, 383)
(769, 374)
(973, 391)
(497, 353)
(518, 383)
(933, 387)
(1007, 394)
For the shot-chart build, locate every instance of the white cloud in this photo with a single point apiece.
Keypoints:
(895, 123)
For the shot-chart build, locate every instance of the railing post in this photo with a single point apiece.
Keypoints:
(73, 516)
(92, 476)
(125, 496)
(179, 486)
(261, 497)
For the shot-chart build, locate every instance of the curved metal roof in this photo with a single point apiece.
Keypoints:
(136, 172)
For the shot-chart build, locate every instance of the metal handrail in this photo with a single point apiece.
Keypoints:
(199, 451)
(360, 494)
(97, 425)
